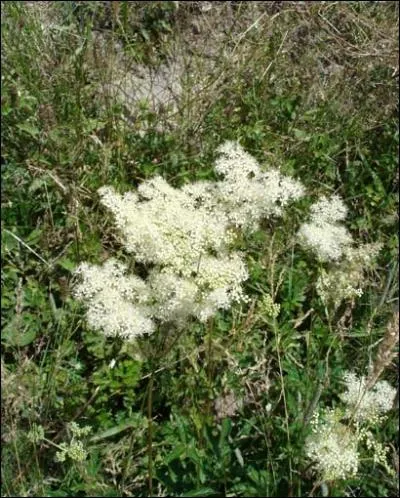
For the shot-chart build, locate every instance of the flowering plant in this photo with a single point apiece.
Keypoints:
(185, 238)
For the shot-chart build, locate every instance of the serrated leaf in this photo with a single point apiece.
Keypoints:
(34, 237)
(13, 334)
(175, 454)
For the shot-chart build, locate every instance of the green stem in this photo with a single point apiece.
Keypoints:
(150, 433)
(209, 363)
(53, 444)
(277, 345)
(209, 353)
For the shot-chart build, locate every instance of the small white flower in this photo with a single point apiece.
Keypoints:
(247, 194)
(328, 210)
(344, 280)
(116, 303)
(363, 404)
(332, 447)
(323, 234)
(326, 240)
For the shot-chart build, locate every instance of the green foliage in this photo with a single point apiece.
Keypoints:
(311, 89)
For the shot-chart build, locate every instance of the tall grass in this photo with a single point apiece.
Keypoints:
(98, 93)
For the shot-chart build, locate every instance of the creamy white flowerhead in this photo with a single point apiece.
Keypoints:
(166, 226)
(247, 194)
(332, 447)
(340, 434)
(116, 303)
(329, 210)
(323, 234)
(345, 279)
(367, 405)
(184, 239)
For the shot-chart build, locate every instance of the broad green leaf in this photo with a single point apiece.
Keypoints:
(14, 335)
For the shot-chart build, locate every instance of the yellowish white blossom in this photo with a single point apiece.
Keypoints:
(268, 307)
(340, 435)
(75, 450)
(329, 210)
(332, 447)
(175, 296)
(323, 234)
(183, 237)
(167, 227)
(78, 431)
(247, 194)
(379, 452)
(366, 404)
(362, 256)
(344, 280)
(116, 303)
(337, 285)
(36, 434)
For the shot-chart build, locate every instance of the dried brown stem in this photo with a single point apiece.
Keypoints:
(385, 352)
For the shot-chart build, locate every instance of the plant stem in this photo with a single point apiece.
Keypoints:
(150, 433)
(209, 363)
(277, 345)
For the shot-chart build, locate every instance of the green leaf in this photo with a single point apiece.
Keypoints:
(31, 130)
(13, 334)
(200, 492)
(34, 237)
(301, 135)
(175, 454)
(67, 264)
(226, 427)
(93, 124)
(114, 430)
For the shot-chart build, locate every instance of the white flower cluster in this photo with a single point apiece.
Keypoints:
(380, 452)
(332, 243)
(75, 449)
(184, 237)
(337, 285)
(247, 194)
(332, 447)
(36, 434)
(165, 226)
(366, 405)
(338, 435)
(268, 307)
(116, 303)
(324, 234)
(345, 279)
(362, 256)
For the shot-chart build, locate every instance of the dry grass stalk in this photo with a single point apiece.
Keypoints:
(385, 352)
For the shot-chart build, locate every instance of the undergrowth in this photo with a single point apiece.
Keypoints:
(114, 93)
